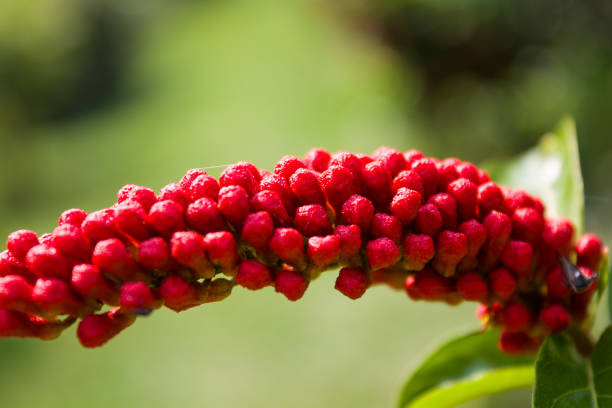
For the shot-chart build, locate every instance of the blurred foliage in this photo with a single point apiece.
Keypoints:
(97, 94)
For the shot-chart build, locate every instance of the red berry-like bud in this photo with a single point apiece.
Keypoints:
(447, 172)
(189, 177)
(451, 247)
(517, 256)
(96, 329)
(138, 298)
(253, 275)
(558, 287)
(73, 216)
(15, 324)
(499, 227)
(358, 210)
(9, 265)
(405, 205)
(174, 192)
(502, 282)
(377, 184)
(428, 220)
(429, 285)
(238, 175)
(46, 261)
(465, 194)
(589, 250)
(428, 171)
(352, 282)
(349, 160)
(393, 159)
(516, 198)
(142, 195)
(527, 224)
(312, 219)
(20, 242)
(306, 186)
(89, 282)
(350, 240)
(483, 177)
(317, 159)
(130, 219)
(364, 159)
(323, 251)
(291, 284)
(288, 245)
(234, 204)
(490, 198)
(257, 230)
(385, 225)
(222, 252)
(179, 295)
(166, 217)
(418, 250)
(447, 207)
(16, 294)
(69, 240)
(517, 343)
(270, 201)
(187, 248)
(412, 156)
(382, 253)
(288, 165)
(204, 216)
(409, 179)
(516, 317)
(555, 318)
(472, 286)
(468, 171)
(203, 186)
(476, 235)
(558, 233)
(154, 253)
(111, 256)
(99, 225)
(280, 186)
(54, 297)
(339, 184)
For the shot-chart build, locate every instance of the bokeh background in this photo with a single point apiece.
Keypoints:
(97, 94)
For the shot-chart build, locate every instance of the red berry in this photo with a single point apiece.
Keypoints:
(428, 220)
(472, 286)
(9, 265)
(517, 343)
(288, 165)
(558, 233)
(187, 248)
(89, 282)
(237, 175)
(405, 205)
(44, 261)
(385, 225)
(418, 250)
(306, 186)
(499, 227)
(166, 217)
(518, 256)
(203, 186)
(502, 282)
(352, 282)
(589, 250)
(179, 295)
(20, 242)
(154, 253)
(555, 318)
(204, 216)
(312, 220)
(16, 294)
(290, 284)
(468, 171)
(73, 216)
(96, 329)
(516, 198)
(558, 287)
(393, 159)
(429, 174)
(130, 218)
(174, 192)
(271, 202)
(382, 253)
(527, 224)
(516, 317)
(377, 184)
(447, 207)
(447, 172)
(451, 247)
(138, 298)
(253, 275)
(350, 161)
(490, 198)
(234, 204)
(429, 285)
(221, 251)
(69, 240)
(465, 194)
(358, 210)
(350, 240)
(55, 297)
(142, 195)
(476, 235)
(317, 159)
(412, 156)
(409, 179)
(189, 177)
(288, 245)
(323, 251)
(339, 184)
(99, 225)
(112, 257)
(280, 186)
(257, 230)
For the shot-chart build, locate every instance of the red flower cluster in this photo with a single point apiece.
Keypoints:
(439, 228)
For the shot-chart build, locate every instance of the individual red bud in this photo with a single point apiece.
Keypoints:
(352, 282)
(96, 329)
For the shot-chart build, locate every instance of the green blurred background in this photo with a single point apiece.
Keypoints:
(97, 94)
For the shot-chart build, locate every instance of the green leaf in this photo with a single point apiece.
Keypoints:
(566, 379)
(551, 171)
(466, 368)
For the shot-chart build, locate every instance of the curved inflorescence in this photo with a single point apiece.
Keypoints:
(440, 229)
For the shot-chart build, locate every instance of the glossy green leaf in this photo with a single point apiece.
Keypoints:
(466, 368)
(551, 171)
(565, 379)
